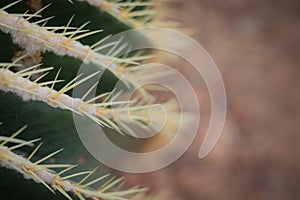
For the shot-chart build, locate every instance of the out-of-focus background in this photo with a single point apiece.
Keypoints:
(256, 45)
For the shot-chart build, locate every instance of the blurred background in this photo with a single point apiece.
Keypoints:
(256, 45)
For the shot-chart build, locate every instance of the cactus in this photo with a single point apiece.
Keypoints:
(43, 44)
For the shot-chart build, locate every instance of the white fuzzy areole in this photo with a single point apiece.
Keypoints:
(28, 90)
(19, 162)
(10, 160)
(33, 38)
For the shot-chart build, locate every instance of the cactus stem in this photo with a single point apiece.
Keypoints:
(34, 38)
(101, 113)
(42, 173)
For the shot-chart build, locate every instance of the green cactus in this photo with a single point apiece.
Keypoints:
(38, 52)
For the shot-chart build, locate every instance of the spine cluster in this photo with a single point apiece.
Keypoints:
(44, 174)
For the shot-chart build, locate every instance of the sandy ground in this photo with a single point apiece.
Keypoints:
(256, 47)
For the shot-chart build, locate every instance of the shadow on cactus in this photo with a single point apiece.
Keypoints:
(43, 44)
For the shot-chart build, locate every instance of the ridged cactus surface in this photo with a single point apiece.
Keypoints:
(43, 45)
